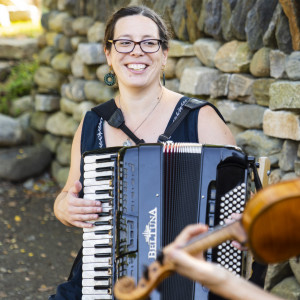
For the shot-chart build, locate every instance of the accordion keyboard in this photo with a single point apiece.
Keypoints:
(98, 241)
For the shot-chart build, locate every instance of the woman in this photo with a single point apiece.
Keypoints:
(136, 48)
(216, 278)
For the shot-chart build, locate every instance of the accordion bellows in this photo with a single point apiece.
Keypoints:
(149, 193)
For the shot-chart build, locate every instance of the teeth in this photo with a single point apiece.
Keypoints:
(136, 66)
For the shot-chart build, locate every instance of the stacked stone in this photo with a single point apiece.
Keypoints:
(69, 80)
(257, 93)
(236, 54)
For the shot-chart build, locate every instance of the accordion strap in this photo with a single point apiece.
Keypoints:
(114, 117)
(191, 104)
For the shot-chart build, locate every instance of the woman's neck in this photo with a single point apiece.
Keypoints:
(137, 101)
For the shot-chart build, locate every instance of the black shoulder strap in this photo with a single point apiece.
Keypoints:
(191, 104)
(114, 117)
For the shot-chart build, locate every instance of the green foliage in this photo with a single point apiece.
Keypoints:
(19, 83)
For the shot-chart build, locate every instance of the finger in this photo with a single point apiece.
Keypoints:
(85, 217)
(190, 232)
(81, 210)
(238, 246)
(82, 224)
(79, 202)
(233, 217)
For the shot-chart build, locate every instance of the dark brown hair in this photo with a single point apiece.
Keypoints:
(145, 11)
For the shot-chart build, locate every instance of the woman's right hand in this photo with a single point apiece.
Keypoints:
(74, 211)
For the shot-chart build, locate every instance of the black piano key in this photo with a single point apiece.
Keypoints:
(107, 200)
(100, 192)
(104, 169)
(99, 223)
(102, 287)
(103, 160)
(102, 255)
(98, 246)
(104, 214)
(102, 232)
(99, 178)
(101, 277)
(101, 269)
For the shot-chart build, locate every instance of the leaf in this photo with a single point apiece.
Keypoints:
(18, 219)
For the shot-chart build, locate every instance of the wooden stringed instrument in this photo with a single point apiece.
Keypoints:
(269, 227)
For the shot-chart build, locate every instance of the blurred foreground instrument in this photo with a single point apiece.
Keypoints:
(269, 226)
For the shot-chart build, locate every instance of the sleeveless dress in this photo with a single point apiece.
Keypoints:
(92, 138)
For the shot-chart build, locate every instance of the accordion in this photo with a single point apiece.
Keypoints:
(149, 193)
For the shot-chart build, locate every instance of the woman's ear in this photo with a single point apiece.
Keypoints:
(165, 56)
(107, 54)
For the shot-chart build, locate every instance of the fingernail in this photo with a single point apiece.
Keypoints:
(98, 203)
(99, 209)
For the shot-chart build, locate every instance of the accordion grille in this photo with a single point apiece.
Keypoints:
(181, 178)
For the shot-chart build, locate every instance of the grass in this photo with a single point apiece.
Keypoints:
(19, 83)
(21, 29)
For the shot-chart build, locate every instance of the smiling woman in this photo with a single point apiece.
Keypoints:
(136, 47)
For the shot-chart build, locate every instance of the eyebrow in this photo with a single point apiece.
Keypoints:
(130, 37)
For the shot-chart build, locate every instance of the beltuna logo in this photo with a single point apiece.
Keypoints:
(150, 233)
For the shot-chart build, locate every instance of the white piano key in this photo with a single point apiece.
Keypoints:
(92, 251)
(93, 196)
(91, 282)
(95, 297)
(91, 267)
(91, 174)
(92, 259)
(94, 189)
(94, 166)
(93, 236)
(94, 182)
(92, 274)
(88, 159)
(86, 290)
(95, 228)
(92, 243)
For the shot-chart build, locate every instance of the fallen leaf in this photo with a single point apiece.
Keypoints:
(73, 254)
(18, 219)
(44, 288)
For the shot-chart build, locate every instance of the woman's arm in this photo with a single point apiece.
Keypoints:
(68, 208)
(212, 129)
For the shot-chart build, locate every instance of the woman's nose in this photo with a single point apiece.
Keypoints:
(137, 50)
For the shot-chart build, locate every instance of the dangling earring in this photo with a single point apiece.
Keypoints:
(110, 78)
(163, 76)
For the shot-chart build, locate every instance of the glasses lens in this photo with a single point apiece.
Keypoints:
(124, 46)
(150, 46)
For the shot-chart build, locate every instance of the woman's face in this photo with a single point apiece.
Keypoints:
(136, 69)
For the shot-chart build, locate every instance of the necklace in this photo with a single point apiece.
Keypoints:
(128, 142)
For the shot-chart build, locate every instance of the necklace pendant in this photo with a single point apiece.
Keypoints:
(127, 143)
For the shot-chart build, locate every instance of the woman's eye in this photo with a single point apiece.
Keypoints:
(125, 43)
(149, 43)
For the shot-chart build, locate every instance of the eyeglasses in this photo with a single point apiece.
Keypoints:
(127, 46)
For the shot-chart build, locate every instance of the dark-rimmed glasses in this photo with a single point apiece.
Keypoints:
(127, 46)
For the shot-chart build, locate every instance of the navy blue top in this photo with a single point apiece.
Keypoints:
(92, 138)
(92, 135)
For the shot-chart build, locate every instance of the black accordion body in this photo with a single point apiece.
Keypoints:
(149, 193)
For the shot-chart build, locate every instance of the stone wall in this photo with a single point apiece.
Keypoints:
(240, 55)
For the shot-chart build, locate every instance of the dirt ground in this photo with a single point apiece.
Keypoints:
(36, 250)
